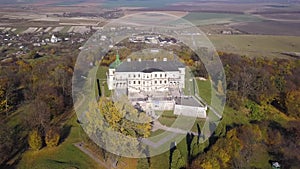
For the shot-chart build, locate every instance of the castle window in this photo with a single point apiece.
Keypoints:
(155, 82)
(160, 75)
(155, 75)
(134, 82)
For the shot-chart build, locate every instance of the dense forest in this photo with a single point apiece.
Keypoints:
(261, 90)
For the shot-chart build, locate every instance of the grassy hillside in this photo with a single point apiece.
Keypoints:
(66, 155)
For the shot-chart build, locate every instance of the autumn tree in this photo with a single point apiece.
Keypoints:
(292, 103)
(39, 116)
(110, 113)
(35, 140)
(6, 142)
(234, 100)
(8, 91)
(108, 121)
(52, 138)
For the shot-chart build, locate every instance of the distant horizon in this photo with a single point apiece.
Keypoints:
(138, 3)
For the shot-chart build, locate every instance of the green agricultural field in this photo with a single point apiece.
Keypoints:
(256, 45)
(203, 18)
(138, 3)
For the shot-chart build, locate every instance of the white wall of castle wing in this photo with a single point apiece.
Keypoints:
(110, 79)
(190, 111)
(182, 77)
(140, 81)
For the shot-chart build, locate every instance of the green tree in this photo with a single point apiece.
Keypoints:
(256, 112)
(142, 163)
(177, 160)
(35, 140)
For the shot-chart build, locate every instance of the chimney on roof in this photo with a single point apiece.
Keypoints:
(155, 60)
(128, 60)
(165, 59)
(140, 59)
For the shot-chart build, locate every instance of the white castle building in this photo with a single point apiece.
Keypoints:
(146, 76)
(154, 84)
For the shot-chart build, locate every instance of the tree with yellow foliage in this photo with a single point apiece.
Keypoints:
(52, 138)
(35, 140)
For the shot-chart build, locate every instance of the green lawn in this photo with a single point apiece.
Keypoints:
(204, 88)
(168, 121)
(101, 75)
(160, 161)
(157, 132)
(66, 155)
